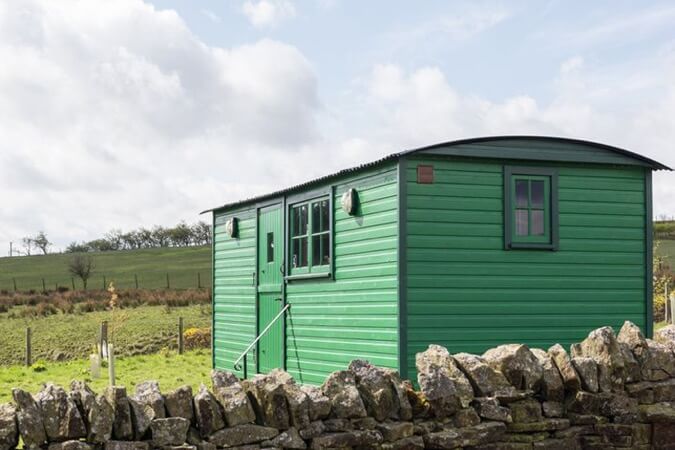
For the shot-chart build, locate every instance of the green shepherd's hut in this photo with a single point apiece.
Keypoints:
(468, 244)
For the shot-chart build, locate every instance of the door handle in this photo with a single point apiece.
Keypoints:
(278, 299)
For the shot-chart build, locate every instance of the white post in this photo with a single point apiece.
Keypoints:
(665, 304)
(111, 365)
(672, 306)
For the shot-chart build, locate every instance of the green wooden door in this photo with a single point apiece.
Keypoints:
(270, 280)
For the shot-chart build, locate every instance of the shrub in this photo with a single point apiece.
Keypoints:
(64, 306)
(39, 366)
(90, 306)
(194, 338)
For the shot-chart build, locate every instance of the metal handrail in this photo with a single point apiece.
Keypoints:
(237, 366)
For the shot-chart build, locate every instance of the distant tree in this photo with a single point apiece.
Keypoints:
(100, 245)
(145, 238)
(160, 236)
(27, 244)
(181, 235)
(130, 240)
(201, 232)
(75, 247)
(115, 239)
(41, 242)
(81, 266)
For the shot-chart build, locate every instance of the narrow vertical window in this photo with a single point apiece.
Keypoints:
(299, 219)
(270, 247)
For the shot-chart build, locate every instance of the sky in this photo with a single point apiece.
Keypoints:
(134, 113)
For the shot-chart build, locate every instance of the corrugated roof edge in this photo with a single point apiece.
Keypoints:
(655, 165)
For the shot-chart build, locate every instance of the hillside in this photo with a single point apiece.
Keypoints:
(666, 248)
(183, 265)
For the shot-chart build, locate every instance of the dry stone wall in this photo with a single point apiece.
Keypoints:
(609, 391)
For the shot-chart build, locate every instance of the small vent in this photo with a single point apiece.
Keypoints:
(425, 174)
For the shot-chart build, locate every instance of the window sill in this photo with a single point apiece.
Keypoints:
(531, 246)
(308, 276)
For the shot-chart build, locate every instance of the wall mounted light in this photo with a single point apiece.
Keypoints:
(232, 227)
(350, 201)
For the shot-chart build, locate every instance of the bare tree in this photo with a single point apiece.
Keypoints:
(27, 244)
(81, 266)
(41, 242)
(201, 232)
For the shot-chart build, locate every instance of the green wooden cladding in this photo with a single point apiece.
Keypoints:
(467, 293)
(423, 263)
(234, 290)
(353, 315)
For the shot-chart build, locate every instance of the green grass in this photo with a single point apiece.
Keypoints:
(666, 248)
(149, 265)
(146, 330)
(171, 371)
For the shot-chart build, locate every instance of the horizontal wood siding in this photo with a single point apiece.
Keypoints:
(354, 315)
(234, 307)
(466, 292)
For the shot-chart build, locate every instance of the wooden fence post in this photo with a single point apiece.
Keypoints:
(199, 280)
(168, 285)
(14, 279)
(136, 280)
(29, 349)
(104, 283)
(44, 288)
(180, 335)
(111, 365)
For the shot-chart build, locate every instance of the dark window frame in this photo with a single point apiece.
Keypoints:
(310, 270)
(512, 242)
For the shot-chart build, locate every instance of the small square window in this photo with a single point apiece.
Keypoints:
(530, 208)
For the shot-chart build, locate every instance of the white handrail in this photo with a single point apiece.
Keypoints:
(255, 341)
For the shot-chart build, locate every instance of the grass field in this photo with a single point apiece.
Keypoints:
(151, 266)
(170, 370)
(666, 248)
(147, 329)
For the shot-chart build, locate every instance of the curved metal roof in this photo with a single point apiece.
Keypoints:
(654, 165)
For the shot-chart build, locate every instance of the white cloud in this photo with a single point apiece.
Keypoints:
(630, 107)
(572, 64)
(466, 21)
(637, 25)
(114, 114)
(101, 128)
(265, 13)
(213, 17)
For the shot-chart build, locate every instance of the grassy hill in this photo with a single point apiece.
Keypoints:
(184, 266)
(141, 330)
(666, 248)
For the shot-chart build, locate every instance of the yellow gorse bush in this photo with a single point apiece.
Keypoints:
(197, 338)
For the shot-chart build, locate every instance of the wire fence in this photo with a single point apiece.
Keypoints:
(158, 279)
(41, 342)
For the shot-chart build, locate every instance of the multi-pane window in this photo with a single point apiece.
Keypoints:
(310, 246)
(530, 208)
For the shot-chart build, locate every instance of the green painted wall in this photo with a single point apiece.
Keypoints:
(234, 311)
(355, 315)
(466, 292)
